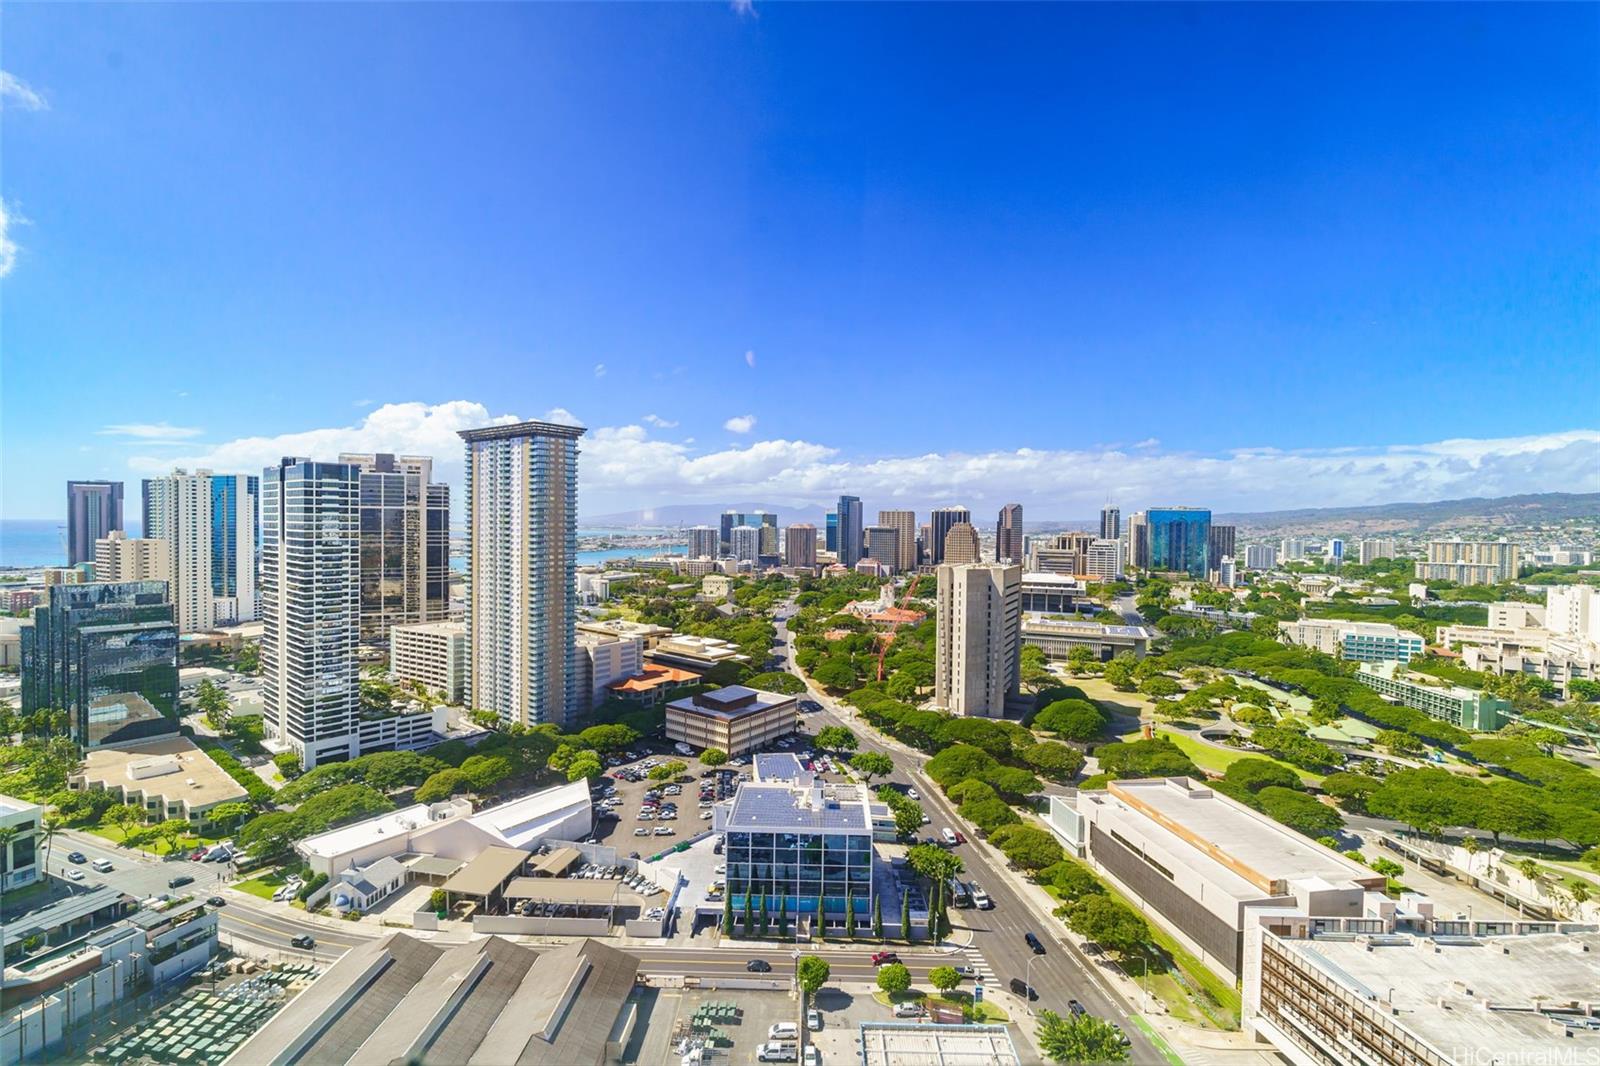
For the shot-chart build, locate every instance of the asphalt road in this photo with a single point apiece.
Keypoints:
(1062, 973)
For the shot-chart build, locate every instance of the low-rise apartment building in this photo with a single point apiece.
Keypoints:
(433, 653)
(1362, 642)
(1466, 708)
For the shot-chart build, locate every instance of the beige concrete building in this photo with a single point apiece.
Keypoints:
(168, 778)
(736, 719)
(118, 557)
(977, 658)
(1474, 562)
(883, 547)
(603, 659)
(434, 653)
(800, 545)
(961, 545)
(904, 524)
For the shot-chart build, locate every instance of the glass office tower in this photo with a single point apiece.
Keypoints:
(801, 846)
(107, 654)
(1180, 538)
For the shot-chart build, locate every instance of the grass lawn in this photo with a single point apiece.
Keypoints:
(1222, 1012)
(1127, 704)
(963, 1001)
(1216, 760)
(151, 844)
(265, 885)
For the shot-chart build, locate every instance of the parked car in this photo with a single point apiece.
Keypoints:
(783, 1031)
(814, 1020)
(909, 1010)
(777, 1051)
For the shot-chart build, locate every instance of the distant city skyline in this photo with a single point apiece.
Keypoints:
(1304, 260)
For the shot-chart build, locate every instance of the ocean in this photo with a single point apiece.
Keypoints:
(43, 542)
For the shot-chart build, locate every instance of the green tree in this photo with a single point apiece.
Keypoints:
(1033, 670)
(727, 915)
(1119, 672)
(870, 764)
(1027, 846)
(944, 978)
(834, 675)
(1111, 924)
(1079, 1038)
(849, 916)
(270, 834)
(171, 832)
(125, 817)
(713, 757)
(1072, 719)
(783, 916)
(1055, 761)
(894, 978)
(288, 764)
(763, 919)
(1298, 811)
(745, 926)
(835, 739)
(668, 771)
(1159, 686)
(442, 785)
(586, 765)
(905, 916)
(213, 703)
(1256, 774)
(1081, 659)
(877, 916)
(811, 971)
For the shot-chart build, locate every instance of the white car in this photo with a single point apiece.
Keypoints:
(911, 793)
(705, 815)
(75, 874)
(641, 832)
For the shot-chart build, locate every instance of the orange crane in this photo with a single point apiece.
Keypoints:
(886, 637)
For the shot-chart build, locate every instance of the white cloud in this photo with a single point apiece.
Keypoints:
(750, 357)
(150, 432)
(740, 424)
(8, 247)
(629, 468)
(743, 8)
(363, 403)
(599, 370)
(18, 94)
(1149, 442)
(659, 422)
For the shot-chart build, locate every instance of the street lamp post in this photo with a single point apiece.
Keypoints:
(1144, 987)
(1027, 980)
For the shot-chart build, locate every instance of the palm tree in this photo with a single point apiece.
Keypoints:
(1531, 870)
(49, 828)
(1471, 846)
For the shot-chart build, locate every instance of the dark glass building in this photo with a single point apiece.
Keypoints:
(107, 654)
(1180, 539)
(94, 509)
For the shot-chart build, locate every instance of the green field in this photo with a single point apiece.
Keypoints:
(1217, 760)
(265, 885)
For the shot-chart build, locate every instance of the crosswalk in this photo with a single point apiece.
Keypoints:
(980, 966)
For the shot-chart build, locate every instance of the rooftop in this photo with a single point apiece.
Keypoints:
(337, 842)
(521, 822)
(733, 701)
(400, 999)
(443, 629)
(1039, 619)
(780, 807)
(779, 766)
(177, 770)
(920, 1044)
(522, 429)
(1478, 993)
(1246, 853)
(654, 676)
(487, 872)
(11, 805)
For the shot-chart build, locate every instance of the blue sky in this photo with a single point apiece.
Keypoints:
(1250, 256)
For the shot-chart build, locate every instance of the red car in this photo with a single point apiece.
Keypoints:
(959, 838)
(880, 958)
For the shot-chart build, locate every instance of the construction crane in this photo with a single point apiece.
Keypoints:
(886, 637)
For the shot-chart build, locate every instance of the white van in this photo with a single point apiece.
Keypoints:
(778, 1052)
(949, 837)
(783, 1031)
(102, 866)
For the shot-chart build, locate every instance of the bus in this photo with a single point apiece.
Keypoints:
(958, 894)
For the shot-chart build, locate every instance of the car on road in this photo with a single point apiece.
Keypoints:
(216, 901)
(304, 940)
(911, 793)
(1075, 1008)
(883, 958)
(77, 857)
(180, 881)
(980, 898)
(102, 866)
(758, 966)
(1019, 987)
(1034, 942)
(75, 875)
(966, 971)
(949, 837)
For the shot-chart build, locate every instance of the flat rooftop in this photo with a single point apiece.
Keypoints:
(915, 1044)
(192, 776)
(778, 766)
(337, 842)
(1233, 841)
(1044, 621)
(734, 701)
(780, 807)
(1440, 988)
(444, 629)
(12, 805)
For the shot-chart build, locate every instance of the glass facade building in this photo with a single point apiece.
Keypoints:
(234, 497)
(94, 509)
(799, 845)
(405, 543)
(107, 654)
(1180, 539)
